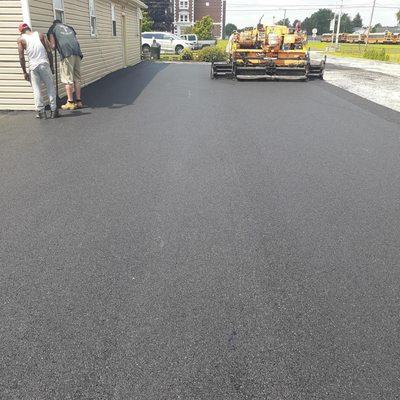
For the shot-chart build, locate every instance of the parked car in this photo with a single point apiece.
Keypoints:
(169, 42)
(196, 43)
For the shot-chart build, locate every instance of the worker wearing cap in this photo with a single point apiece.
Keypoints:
(38, 50)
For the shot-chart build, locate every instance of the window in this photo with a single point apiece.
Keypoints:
(92, 17)
(113, 20)
(183, 17)
(58, 6)
(184, 4)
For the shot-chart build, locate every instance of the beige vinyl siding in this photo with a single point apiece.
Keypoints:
(15, 92)
(103, 54)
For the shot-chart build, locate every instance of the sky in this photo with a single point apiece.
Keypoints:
(247, 12)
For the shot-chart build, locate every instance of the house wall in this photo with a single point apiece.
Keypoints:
(15, 92)
(180, 26)
(215, 9)
(103, 54)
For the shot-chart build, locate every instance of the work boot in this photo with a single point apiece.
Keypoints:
(69, 105)
(41, 114)
(54, 114)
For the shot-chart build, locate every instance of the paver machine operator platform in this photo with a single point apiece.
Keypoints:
(269, 52)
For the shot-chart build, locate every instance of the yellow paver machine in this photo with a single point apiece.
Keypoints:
(270, 53)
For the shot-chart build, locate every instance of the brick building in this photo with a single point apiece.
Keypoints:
(187, 12)
(161, 12)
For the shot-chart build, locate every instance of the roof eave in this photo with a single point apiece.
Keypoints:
(139, 4)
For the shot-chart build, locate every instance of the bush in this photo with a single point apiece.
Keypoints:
(187, 55)
(212, 54)
(376, 54)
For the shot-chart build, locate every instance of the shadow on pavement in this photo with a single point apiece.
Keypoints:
(122, 87)
(71, 114)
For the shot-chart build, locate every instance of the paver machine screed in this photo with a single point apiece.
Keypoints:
(270, 53)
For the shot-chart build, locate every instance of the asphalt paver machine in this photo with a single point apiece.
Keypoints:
(271, 53)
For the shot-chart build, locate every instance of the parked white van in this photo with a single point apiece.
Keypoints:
(169, 42)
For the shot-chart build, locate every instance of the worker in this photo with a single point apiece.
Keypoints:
(63, 38)
(38, 50)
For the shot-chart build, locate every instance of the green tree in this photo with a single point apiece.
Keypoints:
(147, 22)
(320, 20)
(203, 28)
(229, 29)
(186, 30)
(295, 22)
(376, 28)
(285, 22)
(357, 21)
(346, 24)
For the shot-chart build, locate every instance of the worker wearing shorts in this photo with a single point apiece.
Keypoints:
(71, 70)
(63, 38)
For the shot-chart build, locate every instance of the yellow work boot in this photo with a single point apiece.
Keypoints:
(69, 105)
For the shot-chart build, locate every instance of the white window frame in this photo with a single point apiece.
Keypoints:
(92, 17)
(184, 4)
(61, 10)
(113, 19)
(184, 16)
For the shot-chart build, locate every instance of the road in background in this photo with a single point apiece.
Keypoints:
(194, 239)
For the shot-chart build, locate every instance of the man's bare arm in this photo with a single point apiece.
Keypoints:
(47, 46)
(52, 41)
(21, 53)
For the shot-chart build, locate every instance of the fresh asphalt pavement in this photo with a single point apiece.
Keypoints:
(183, 238)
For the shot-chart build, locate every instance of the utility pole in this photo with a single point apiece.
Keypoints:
(370, 22)
(338, 25)
(284, 15)
(333, 29)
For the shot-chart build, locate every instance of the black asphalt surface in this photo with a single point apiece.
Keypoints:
(184, 238)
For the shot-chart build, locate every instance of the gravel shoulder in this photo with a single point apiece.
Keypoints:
(373, 80)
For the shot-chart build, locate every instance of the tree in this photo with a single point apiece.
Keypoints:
(229, 29)
(346, 24)
(295, 22)
(203, 28)
(285, 22)
(357, 21)
(320, 20)
(147, 22)
(376, 28)
(398, 16)
(186, 30)
(160, 12)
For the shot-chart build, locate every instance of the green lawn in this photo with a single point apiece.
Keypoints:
(222, 44)
(357, 50)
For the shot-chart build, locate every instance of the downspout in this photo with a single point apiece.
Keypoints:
(26, 14)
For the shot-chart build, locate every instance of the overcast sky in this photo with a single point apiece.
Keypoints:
(247, 12)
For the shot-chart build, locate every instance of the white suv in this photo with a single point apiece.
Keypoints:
(169, 42)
